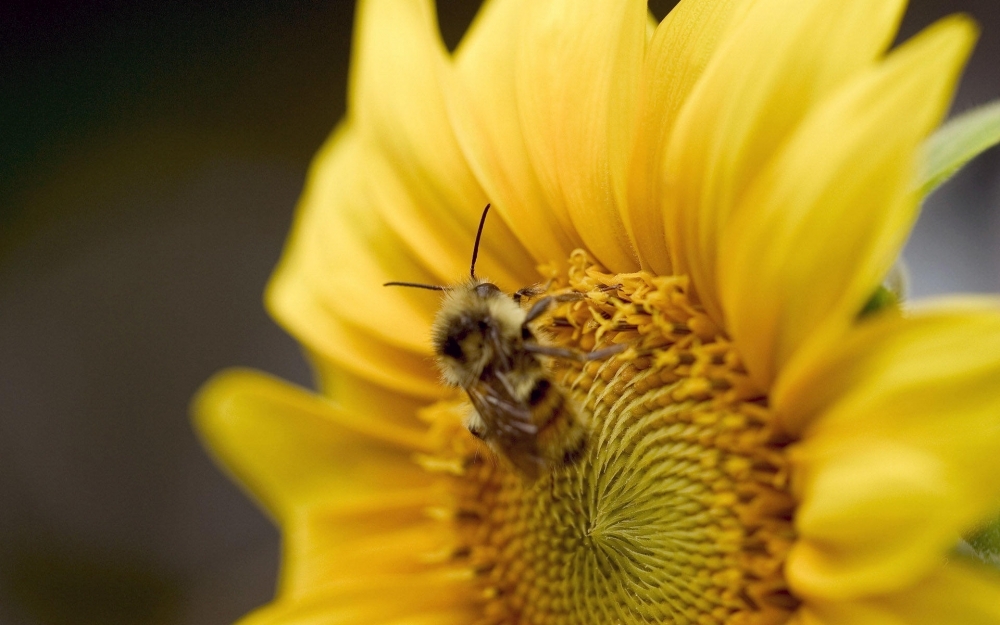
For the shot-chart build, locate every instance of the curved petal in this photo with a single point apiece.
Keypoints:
(821, 226)
(955, 593)
(292, 449)
(875, 517)
(680, 49)
(393, 602)
(576, 78)
(392, 599)
(900, 430)
(327, 291)
(483, 106)
(359, 394)
(339, 254)
(328, 550)
(782, 59)
(934, 343)
(397, 103)
(349, 347)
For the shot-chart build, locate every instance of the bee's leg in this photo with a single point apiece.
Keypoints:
(540, 307)
(571, 354)
(543, 304)
(476, 426)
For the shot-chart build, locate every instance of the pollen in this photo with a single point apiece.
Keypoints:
(678, 510)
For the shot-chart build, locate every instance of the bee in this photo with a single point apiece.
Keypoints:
(484, 344)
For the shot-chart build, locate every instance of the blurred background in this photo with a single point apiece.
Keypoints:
(150, 158)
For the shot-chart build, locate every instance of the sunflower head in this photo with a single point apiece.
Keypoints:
(678, 506)
(697, 412)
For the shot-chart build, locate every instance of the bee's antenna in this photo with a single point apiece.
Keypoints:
(475, 248)
(417, 285)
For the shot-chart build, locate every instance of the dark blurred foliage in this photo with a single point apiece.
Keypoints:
(150, 158)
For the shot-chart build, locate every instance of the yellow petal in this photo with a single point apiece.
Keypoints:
(291, 449)
(782, 59)
(403, 600)
(822, 225)
(483, 106)
(358, 394)
(327, 291)
(316, 467)
(342, 346)
(397, 103)
(874, 517)
(329, 551)
(340, 254)
(955, 594)
(899, 450)
(937, 343)
(576, 75)
(680, 49)
(348, 347)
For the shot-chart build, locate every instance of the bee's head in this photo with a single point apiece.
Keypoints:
(468, 332)
(464, 340)
(486, 290)
(463, 352)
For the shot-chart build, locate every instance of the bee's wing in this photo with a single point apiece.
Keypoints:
(509, 422)
(504, 414)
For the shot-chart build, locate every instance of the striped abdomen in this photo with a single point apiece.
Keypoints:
(561, 437)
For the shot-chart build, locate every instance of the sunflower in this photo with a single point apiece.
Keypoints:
(722, 193)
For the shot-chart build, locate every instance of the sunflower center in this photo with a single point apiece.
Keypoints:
(676, 512)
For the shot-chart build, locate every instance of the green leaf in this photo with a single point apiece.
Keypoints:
(958, 142)
(890, 294)
(984, 543)
(880, 300)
